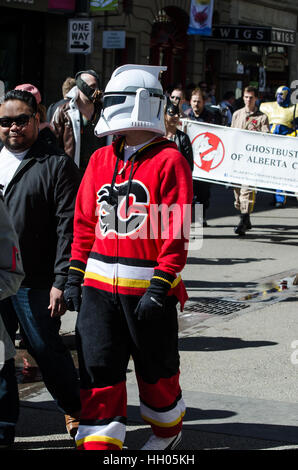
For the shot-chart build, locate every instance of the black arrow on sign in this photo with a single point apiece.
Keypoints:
(83, 46)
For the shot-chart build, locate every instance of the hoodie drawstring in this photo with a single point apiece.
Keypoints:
(129, 184)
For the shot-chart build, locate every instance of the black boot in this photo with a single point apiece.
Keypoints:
(248, 223)
(243, 225)
(205, 224)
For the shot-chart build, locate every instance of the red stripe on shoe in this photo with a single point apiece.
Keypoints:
(166, 432)
(97, 446)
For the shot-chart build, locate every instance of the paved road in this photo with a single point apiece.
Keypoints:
(237, 342)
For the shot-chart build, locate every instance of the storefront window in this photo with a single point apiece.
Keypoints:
(8, 55)
(265, 67)
(169, 44)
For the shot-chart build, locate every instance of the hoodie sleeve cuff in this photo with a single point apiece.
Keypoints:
(77, 268)
(164, 277)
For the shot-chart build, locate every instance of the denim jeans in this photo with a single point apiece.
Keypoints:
(41, 335)
(279, 197)
(9, 403)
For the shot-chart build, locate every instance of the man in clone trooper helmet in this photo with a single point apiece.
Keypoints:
(130, 244)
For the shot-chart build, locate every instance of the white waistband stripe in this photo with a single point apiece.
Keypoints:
(111, 271)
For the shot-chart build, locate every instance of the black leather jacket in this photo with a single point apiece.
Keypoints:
(40, 199)
(184, 146)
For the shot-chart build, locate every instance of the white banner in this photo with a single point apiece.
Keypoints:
(200, 17)
(237, 157)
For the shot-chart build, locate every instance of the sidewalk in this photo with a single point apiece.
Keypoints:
(238, 368)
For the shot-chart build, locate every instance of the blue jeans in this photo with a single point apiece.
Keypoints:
(279, 197)
(9, 403)
(41, 335)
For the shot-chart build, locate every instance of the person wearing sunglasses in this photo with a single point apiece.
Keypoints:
(40, 184)
(199, 112)
(74, 121)
(45, 131)
(178, 97)
(172, 118)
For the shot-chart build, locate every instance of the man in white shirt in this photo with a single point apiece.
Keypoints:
(9, 162)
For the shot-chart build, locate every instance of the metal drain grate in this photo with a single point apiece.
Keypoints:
(214, 306)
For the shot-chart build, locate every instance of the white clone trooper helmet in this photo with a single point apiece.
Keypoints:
(133, 99)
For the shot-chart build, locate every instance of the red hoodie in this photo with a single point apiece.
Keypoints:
(132, 220)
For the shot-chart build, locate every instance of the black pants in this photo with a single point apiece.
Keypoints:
(107, 335)
(201, 192)
(9, 403)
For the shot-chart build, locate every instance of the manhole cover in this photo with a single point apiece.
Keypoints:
(196, 316)
(214, 306)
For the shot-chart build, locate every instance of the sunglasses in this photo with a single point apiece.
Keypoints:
(176, 98)
(20, 121)
(172, 113)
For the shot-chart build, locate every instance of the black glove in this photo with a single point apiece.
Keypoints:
(73, 290)
(152, 304)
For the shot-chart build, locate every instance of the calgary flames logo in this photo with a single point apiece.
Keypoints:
(121, 213)
(209, 151)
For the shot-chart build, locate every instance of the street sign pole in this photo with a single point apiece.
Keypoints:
(82, 11)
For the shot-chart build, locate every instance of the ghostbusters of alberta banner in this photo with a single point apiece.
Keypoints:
(237, 157)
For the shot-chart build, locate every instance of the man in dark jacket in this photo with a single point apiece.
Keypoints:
(40, 185)
(198, 112)
(172, 118)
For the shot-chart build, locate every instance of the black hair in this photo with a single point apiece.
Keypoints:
(90, 72)
(24, 96)
(228, 95)
(171, 108)
(251, 89)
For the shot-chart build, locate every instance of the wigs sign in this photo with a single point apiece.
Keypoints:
(237, 157)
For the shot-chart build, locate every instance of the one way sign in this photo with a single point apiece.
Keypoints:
(80, 36)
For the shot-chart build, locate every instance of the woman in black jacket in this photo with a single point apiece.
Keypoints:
(172, 116)
(181, 139)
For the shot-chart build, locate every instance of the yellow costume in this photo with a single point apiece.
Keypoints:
(283, 120)
(281, 113)
(280, 116)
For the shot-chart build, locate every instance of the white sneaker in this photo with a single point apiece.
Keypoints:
(162, 443)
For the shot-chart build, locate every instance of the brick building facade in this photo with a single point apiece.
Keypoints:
(252, 41)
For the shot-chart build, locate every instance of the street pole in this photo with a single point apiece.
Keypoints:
(82, 11)
(103, 64)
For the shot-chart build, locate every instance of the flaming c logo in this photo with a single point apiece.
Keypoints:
(113, 216)
(208, 150)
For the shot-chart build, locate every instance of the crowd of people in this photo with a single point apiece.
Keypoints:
(248, 112)
(70, 212)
